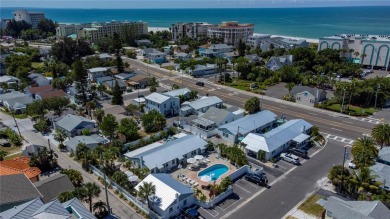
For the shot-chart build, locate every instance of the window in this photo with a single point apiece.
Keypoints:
(165, 105)
(170, 209)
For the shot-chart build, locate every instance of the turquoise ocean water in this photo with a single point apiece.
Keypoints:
(298, 22)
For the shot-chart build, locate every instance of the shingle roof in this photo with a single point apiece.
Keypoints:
(138, 78)
(78, 209)
(7, 78)
(54, 93)
(167, 189)
(277, 137)
(382, 171)
(16, 188)
(204, 102)
(111, 84)
(13, 94)
(216, 115)
(384, 154)
(157, 97)
(249, 123)
(98, 69)
(356, 209)
(70, 122)
(34, 90)
(18, 165)
(88, 140)
(53, 208)
(313, 90)
(19, 102)
(51, 187)
(157, 156)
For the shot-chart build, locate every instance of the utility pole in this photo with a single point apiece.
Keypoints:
(16, 124)
(105, 185)
(376, 93)
(342, 173)
(342, 105)
(48, 142)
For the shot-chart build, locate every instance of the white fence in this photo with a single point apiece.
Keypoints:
(239, 172)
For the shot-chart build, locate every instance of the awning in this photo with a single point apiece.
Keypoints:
(252, 148)
(301, 138)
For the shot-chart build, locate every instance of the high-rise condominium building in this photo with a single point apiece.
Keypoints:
(193, 30)
(231, 32)
(32, 18)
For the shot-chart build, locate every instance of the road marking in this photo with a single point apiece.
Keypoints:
(249, 183)
(336, 129)
(229, 205)
(242, 188)
(313, 114)
(208, 211)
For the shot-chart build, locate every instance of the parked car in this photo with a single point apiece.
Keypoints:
(290, 158)
(352, 165)
(299, 152)
(260, 180)
(199, 83)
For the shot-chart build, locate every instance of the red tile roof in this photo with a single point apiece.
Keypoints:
(18, 165)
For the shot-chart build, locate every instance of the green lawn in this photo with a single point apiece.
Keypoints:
(18, 116)
(244, 85)
(311, 207)
(10, 150)
(353, 110)
(37, 64)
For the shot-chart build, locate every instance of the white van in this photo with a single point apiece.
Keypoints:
(289, 158)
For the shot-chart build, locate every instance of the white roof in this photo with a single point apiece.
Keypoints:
(177, 92)
(98, 69)
(300, 138)
(143, 149)
(255, 142)
(204, 102)
(139, 100)
(167, 189)
(157, 98)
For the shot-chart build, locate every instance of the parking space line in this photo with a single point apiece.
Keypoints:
(249, 183)
(229, 205)
(207, 210)
(242, 188)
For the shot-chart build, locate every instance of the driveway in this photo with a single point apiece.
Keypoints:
(277, 91)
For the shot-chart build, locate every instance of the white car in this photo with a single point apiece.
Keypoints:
(352, 165)
(290, 158)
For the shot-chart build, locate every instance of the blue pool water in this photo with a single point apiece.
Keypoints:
(214, 171)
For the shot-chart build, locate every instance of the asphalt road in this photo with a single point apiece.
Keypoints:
(120, 207)
(292, 188)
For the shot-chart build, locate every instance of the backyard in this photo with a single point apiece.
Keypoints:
(311, 207)
(350, 110)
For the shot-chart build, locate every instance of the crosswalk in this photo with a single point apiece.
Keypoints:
(346, 141)
(371, 120)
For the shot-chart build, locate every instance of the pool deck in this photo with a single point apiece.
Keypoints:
(193, 174)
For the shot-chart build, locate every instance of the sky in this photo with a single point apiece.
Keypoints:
(188, 3)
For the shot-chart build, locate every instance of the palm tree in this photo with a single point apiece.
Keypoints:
(60, 136)
(381, 134)
(75, 176)
(91, 191)
(146, 190)
(364, 151)
(363, 181)
(132, 108)
(338, 175)
(101, 88)
(90, 105)
(101, 207)
(98, 114)
(3, 154)
(65, 196)
(121, 179)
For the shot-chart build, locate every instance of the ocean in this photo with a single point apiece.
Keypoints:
(296, 22)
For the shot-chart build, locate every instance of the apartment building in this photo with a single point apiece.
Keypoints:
(231, 32)
(30, 17)
(256, 40)
(193, 30)
(95, 31)
(369, 50)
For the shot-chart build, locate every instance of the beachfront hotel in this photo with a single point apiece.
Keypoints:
(369, 50)
(32, 18)
(96, 31)
(231, 32)
(193, 30)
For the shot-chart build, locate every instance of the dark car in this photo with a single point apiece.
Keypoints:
(260, 180)
(200, 83)
(299, 152)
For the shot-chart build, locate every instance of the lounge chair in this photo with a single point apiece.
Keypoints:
(207, 160)
(195, 184)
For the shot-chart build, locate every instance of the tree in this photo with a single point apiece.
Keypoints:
(381, 134)
(153, 121)
(109, 125)
(146, 190)
(129, 129)
(92, 191)
(79, 75)
(363, 182)
(152, 89)
(121, 179)
(90, 105)
(101, 208)
(241, 48)
(18, 65)
(57, 104)
(44, 159)
(68, 50)
(75, 176)
(101, 88)
(364, 152)
(225, 183)
(81, 151)
(338, 175)
(132, 108)
(61, 83)
(14, 28)
(98, 114)
(41, 125)
(47, 26)
(117, 98)
(290, 86)
(65, 196)
(117, 45)
(252, 105)
(37, 107)
(131, 54)
(60, 136)
(3, 154)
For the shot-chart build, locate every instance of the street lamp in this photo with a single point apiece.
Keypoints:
(342, 172)
(342, 104)
(376, 93)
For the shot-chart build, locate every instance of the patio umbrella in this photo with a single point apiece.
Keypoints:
(133, 178)
(199, 157)
(191, 160)
(205, 178)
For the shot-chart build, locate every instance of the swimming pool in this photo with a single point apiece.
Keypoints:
(214, 172)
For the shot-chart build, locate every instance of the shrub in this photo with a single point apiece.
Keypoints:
(116, 192)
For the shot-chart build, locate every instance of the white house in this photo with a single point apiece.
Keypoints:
(157, 57)
(255, 123)
(292, 133)
(178, 92)
(200, 105)
(182, 56)
(94, 73)
(308, 96)
(200, 70)
(171, 196)
(158, 157)
(276, 63)
(164, 104)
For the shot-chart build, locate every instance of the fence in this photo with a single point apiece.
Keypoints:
(136, 142)
(239, 172)
(125, 193)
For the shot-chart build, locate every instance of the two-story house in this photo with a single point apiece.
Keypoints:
(166, 105)
(308, 96)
